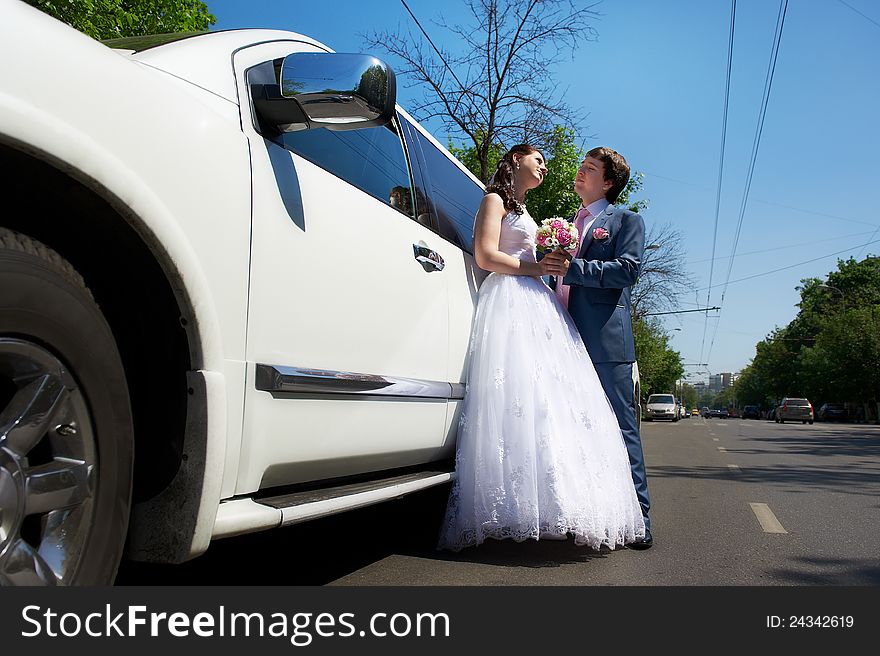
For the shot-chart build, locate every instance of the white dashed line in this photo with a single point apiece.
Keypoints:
(766, 518)
(715, 439)
(734, 468)
(722, 449)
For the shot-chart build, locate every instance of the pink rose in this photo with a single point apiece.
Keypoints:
(600, 233)
(557, 224)
(563, 236)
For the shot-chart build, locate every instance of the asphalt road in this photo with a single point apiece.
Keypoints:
(735, 502)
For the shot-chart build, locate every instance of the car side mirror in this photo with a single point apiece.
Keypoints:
(336, 91)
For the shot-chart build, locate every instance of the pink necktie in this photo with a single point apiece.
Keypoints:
(562, 289)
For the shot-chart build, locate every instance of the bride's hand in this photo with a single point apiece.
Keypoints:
(555, 263)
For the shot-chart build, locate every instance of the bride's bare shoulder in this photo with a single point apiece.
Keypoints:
(492, 205)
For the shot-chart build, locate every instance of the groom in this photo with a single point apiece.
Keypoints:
(596, 290)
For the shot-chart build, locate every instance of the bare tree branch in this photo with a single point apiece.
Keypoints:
(506, 91)
(663, 278)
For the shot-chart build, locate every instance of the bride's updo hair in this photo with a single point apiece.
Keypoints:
(502, 181)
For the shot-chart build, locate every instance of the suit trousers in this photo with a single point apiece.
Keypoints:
(616, 379)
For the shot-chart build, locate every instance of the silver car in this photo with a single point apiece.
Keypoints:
(794, 409)
(661, 406)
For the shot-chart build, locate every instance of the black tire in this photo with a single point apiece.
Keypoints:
(65, 416)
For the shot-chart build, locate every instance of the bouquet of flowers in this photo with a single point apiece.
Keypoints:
(557, 233)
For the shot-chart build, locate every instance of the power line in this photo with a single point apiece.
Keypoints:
(768, 84)
(779, 248)
(765, 101)
(867, 18)
(448, 67)
(866, 245)
(721, 163)
(796, 264)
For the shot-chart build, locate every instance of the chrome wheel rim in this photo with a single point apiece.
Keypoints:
(48, 465)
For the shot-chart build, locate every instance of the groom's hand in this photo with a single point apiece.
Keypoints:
(555, 263)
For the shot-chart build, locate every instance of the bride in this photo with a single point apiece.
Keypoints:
(539, 453)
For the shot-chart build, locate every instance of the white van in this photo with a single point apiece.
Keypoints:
(236, 292)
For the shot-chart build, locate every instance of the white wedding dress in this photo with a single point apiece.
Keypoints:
(539, 453)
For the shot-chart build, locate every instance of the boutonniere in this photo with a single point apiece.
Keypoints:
(600, 233)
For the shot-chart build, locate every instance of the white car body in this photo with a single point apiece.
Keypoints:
(661, 406)
(166, 137)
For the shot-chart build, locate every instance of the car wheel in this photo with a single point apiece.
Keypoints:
(66, 436)
(811, 423)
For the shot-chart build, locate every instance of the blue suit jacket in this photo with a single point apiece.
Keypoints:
(600, 278)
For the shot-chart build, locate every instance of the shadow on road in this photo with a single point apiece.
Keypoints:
(846, 481)
(835, 572)
(529, 553)
(312, 553)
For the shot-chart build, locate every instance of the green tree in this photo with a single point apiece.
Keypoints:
(556, 195)
(470, 155)
(830, 350)
(844, 362)
(111, 19)
(659, 366)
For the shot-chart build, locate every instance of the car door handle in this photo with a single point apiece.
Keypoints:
(430, 260)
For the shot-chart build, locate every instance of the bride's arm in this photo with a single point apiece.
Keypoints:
(487, 235)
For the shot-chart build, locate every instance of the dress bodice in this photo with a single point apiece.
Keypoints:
(518, 236)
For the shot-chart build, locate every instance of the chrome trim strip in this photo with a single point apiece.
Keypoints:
(300, 380)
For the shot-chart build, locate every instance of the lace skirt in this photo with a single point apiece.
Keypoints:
(539, 451)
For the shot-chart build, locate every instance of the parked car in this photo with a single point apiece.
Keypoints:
(751, 412)
(213, 319)
(832, 412)
(733, 413)
(661, 406)
(794, 409)
(683, 412)
(704, 411)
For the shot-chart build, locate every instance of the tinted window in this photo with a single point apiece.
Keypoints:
(456, 196)
(371, 159)
(798, 402)
(661, 398)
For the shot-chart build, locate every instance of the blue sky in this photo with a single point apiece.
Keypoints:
(652, 84)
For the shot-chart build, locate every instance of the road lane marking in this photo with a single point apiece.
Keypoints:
(766, 518)
(715, 439)
(722, 449)
(734, 468)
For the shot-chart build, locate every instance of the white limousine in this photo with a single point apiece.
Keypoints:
(236, 290)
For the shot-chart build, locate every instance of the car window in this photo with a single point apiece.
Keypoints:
(456, 196)
(371, 159)
(661, 398)
(798, 402)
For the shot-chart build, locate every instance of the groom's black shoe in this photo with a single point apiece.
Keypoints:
(645, 543)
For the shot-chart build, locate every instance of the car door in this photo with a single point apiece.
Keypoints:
(347, 334)
(454, 196)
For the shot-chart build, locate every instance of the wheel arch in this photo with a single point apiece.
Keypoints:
(145, 278)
